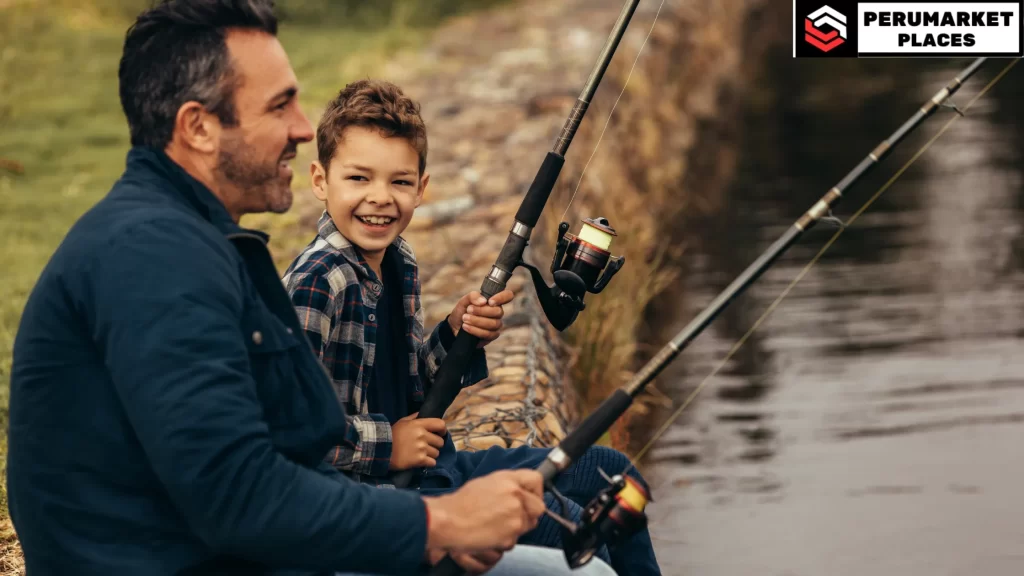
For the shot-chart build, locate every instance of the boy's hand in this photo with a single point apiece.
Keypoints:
(481, 318)
(416, 443)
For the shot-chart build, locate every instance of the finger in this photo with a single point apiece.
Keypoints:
(486, 311)
(529, 480)
(431, 452)
(469, 563)
(491, 324)
(488, 557)
(434, 425)
(503, 297)
(427, 462)
(434, 555)
(534, 506)
(475, 297)
(485, 336)
(434, 440)
(410, 416)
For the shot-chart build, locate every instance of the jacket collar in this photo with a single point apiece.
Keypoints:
(182, 187)
(327, 230)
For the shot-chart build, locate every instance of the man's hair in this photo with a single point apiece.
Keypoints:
(174, 53)
(377, 104)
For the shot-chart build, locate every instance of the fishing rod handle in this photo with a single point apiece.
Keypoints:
(448, 380)
(446, 388)
(540, 189)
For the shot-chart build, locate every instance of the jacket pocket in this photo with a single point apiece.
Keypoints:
(271, 347)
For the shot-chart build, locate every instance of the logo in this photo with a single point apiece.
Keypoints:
(815, 36)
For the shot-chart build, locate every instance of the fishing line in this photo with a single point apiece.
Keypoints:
(842, 228)
(609, 119)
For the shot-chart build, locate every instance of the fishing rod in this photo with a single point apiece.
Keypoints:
(577, 264)
(619, 509)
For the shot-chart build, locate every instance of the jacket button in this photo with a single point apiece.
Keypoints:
(257, 338)
(372, 318)
(289, 330)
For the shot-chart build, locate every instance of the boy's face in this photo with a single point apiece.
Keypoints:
(372, 188)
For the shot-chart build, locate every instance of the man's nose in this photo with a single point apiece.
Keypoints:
(302, 130)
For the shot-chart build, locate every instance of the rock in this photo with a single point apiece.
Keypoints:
(484, 428)
(485, 442)
(515, 428)
(514, 360)
(540, 395)
(517, 372)
(552, 425)
(490, 409)
(505, 392)
(543, 379)
(445, 209)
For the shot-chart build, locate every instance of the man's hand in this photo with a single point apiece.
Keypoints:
(487, 513)
(416, 443)
(472, 562)
(480, 317)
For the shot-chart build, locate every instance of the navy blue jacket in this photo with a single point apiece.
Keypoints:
(168, 416)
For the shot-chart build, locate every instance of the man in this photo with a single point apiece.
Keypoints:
(167, 415)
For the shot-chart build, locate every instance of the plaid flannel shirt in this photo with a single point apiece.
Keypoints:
(335, 294)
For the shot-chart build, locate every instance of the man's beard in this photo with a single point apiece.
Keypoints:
(257, 184)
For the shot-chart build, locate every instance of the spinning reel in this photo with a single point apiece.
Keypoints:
(577, 269)
(614, 515)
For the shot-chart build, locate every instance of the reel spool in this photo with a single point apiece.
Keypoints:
(582, 263)
(614, 515)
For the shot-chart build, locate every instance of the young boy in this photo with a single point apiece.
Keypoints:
(357, 293)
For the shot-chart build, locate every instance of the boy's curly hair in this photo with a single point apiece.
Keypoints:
(371, 103)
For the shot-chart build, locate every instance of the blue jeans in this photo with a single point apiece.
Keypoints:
(579, 483)
(536, 561)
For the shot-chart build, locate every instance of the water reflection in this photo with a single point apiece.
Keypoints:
(871, 425)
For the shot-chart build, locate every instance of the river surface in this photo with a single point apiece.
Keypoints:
(874, 423)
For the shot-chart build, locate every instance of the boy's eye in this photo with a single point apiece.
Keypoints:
(403, 182)
(357, 177)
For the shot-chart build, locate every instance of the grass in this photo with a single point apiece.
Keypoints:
(63, 138)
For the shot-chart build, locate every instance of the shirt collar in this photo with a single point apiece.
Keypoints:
(327, 230)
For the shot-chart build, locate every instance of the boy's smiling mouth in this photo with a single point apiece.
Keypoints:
(376, 221)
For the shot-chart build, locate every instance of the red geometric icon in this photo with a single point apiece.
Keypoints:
(821, 40)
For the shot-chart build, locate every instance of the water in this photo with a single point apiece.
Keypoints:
(874, 423)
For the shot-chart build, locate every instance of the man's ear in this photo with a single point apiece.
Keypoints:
(318, 178)
(423, 188)
(196, 128)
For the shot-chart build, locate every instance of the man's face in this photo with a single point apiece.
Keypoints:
(252, 162)
(371, 189)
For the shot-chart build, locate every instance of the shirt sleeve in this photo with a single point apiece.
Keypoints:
(368, 441)
(166, 307)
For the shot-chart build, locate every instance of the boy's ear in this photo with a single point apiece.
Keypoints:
(423, 188)
(318, 179)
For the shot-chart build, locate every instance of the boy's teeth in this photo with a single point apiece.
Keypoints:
(376, 219)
